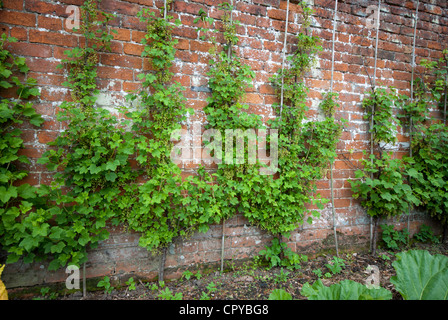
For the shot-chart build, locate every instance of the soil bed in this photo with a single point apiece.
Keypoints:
(248, 282)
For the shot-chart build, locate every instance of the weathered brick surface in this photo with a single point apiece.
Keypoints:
(43, 37)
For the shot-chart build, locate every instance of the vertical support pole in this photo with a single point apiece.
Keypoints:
(373, 110)
(331, 165)
(229, 54)
(376, 42)
(163, 257)
(412, 100)
(284, 59)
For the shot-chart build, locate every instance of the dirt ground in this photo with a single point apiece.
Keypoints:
(252, 282)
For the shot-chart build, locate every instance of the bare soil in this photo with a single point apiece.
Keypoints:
(250, 282)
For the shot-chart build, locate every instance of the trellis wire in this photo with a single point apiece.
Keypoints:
(331, 164)
(412, 100)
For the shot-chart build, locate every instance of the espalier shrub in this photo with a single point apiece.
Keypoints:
(165, 206)
(429, 168)
(382, 183)
(91, 156)
(23, 218)
(276, 203)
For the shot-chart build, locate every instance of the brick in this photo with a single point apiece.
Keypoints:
(45, 7)
(133, 49)
(260, 33)
(269, 3)
(280, 15)
(119, 7)
(182, 44)
(19, 33)
(252, 9)
(200, 46)
(245, 19)
(45, 109)
(121, 34)
(133, 23)
(59, 39)
(30, 49)
(53, 24)
(54, 94)
(45, 137)
(47, 79)
(354, 78)
(13, 4)
(121, 61)
(32, 179)
(30, 152)
(186, 33)
(253, 98)
(18, 18)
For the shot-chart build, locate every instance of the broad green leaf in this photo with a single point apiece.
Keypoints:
(6, 194)
(58, 247)
(421, 276)
(111, 176)
(346, 290)
(279, 294)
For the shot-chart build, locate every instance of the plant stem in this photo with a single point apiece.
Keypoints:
(375, 234)
(222, 245)
(84, 286)
(162, 264)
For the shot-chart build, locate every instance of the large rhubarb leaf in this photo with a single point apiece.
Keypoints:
(421, 276)
(344, 290)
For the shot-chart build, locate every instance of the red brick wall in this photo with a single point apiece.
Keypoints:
(40, 28)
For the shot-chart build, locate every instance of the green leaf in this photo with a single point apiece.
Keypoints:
(279, 294)
(58, 247)
(421, 276)
(112, 165)
(6, 194)
(347, 290)
(311, 290)
(111, 176)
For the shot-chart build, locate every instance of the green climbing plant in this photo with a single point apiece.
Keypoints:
(22, 226)
(382, 183)
(166, 206)
(429, 169)
(90, 159)
(276, 203)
